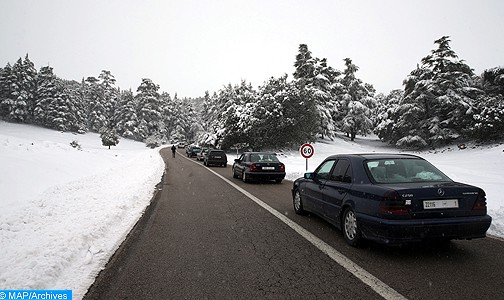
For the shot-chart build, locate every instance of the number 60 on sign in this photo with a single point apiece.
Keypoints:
(307, 150)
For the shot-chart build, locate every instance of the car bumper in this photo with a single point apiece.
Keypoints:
(265, 175)
(400, 231)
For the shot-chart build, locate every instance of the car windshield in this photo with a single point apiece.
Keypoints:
(263, 157)
(403, 170)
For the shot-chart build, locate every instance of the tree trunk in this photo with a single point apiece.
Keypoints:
(352, 135)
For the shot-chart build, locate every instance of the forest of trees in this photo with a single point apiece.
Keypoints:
(442, 101)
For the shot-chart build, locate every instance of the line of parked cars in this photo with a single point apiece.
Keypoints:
(386, 198)
(209, 157)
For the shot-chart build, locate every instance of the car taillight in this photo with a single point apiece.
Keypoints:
(392, 204)
(253, 168)
(480, 203)
(282, 167)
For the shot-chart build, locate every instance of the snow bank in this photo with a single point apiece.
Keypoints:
(65, 211)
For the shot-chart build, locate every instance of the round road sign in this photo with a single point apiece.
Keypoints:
(307, 150)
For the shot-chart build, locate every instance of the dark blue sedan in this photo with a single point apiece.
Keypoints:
(391, 199)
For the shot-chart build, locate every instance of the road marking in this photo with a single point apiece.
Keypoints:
(374, 283)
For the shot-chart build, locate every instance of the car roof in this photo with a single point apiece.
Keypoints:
(261, 152)
(368, 156)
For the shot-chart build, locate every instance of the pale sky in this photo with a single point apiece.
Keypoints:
(191, 46)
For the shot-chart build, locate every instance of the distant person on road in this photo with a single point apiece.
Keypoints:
(173, 149)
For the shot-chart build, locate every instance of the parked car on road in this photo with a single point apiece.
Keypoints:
(215, 158)
(192, 150)
(391, 198)
(259, 166)
(201, 155)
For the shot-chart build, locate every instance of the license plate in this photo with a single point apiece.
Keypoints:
(268, 168)
(217, 157)
(437, 204)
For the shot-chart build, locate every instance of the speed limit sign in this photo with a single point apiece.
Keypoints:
(307, 151)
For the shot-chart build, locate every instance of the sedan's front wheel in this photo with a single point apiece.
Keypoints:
(351, 230)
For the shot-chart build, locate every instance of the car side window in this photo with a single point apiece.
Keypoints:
(242, 158)
(323, 172)
(342, 171)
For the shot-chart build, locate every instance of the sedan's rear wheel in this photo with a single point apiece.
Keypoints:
(298, 203)
(244, 177)
(351, 230)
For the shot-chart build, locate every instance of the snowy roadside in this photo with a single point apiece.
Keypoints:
(59, 236)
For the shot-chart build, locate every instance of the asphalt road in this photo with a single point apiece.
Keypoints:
(204, 238)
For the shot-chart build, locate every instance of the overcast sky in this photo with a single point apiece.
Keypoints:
(191, 46)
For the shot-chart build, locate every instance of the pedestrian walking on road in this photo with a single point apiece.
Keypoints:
(173, 150)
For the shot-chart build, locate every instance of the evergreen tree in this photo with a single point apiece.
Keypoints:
(44, 111)
(438, 101)
(149, 110)
(7, 98)
(126, 119)
(386, 113)
(20, 104)
(320, 83)
(488, 120)
(356, 102)
(97, 112)
(109, 96)
(109, 137)
(30, 84)
(305, 65)
(285, 115)
(77, 97)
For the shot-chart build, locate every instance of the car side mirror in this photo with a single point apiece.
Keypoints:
(237, 160)
(309, 175)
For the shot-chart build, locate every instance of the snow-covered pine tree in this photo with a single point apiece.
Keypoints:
(386, 114)
(356, 102)
(109, 137)
(285, 116)
(7, 79)
(210, 116)
(46, 94)
(97, 112)
(322, 88)
(149, 110)
(30, 84)
(304, 65)
(488, 121)
(109, 96)
(239, 102)
(77, 97)
(438, 101)
(22, 90)
(126, 119)
(55, 107)
(190, 119)
(319, 80)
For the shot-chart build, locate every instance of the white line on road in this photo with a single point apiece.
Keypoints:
(374, 283)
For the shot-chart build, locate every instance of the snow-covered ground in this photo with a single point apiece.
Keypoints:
(64, 211)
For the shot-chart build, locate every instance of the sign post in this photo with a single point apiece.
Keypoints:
(307, 152)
